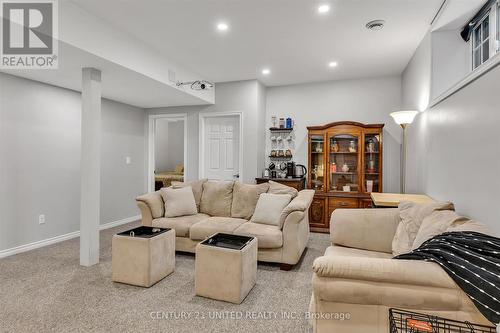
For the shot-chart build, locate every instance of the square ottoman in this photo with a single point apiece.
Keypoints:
(226, 267)
(143, 256)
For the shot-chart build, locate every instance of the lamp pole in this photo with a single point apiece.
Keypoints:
(403, 160)
(403, 118)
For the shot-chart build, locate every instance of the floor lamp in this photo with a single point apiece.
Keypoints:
(404, 118)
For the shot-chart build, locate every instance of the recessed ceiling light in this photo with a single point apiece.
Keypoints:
(266, 71)
(222, 26)
(375, 25)
(323, 9)
(333, 64)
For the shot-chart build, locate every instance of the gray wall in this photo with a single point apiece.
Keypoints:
(453, 151)
(122, 135)
(365, 101)
(40, 160)
(416, 87)
(451, 60)
(240, 96)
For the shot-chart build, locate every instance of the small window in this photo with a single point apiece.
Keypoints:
(481, 42)
(497, 46)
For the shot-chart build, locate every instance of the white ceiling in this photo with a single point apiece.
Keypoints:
(288, 36)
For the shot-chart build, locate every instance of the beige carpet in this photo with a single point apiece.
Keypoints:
(46, 290)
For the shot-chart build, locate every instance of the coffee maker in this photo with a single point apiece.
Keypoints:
(290, 170)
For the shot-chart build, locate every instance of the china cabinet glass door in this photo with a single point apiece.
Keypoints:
(372, 163)
(317, 159)
(343, 163)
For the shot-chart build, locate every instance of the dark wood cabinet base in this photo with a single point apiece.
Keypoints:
(297, 183)
(324, 204)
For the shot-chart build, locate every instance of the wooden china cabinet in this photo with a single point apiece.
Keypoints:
(344, 161)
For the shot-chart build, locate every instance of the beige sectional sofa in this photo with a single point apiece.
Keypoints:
(357, 281)
(228, 207)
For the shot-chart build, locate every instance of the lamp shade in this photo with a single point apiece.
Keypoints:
(404, 117)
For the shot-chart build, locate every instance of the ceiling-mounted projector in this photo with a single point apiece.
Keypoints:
(197, 85)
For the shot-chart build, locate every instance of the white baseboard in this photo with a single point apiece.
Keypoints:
(38, 244)
(61, 238)
(119, 222)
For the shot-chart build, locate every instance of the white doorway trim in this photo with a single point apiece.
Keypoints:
(202, 118)
(151, 144)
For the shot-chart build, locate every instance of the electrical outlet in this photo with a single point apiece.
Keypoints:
(41, 219)
(128, 160)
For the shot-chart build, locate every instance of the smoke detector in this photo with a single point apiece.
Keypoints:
(375, 25)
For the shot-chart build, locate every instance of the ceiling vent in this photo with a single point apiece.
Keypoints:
(375, 25)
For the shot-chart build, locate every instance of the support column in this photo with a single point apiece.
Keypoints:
(90, 167)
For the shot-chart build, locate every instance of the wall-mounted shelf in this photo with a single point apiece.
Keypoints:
(281, 157)
(277, 129)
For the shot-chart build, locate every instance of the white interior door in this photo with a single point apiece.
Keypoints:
(221, 142)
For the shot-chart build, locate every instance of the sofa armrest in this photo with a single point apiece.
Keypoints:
(154, 202)
(300, 203)
(391, 271)
(367, 229)
(146, 217)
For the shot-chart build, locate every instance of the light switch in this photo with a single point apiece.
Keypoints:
(128, 160)
(41, 219)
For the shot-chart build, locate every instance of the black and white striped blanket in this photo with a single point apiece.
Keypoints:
(472, 260)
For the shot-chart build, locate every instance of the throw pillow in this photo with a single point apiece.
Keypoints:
(269, 208)
(245, 197)
(217, 198)
(412, 215)
(277, 188)
(179, 201)
(469, 225)
(196, 185)
(435, 224)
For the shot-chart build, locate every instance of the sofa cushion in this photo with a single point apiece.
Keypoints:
(179, 201)
(217, 198)
(435, 224)
(268, 236)
(269, 208)
(180, 224)
(196, 186)
(341, 251)
(367, 229)
(245, 197)
(412, 215)
(277, 188)
(213, 225)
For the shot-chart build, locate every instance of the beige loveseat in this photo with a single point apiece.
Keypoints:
(357, 281)
(229, 210)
